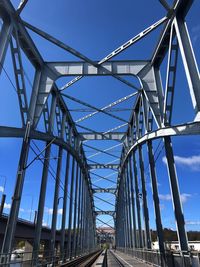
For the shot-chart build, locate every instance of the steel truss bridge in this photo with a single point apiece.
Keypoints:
(150, 120)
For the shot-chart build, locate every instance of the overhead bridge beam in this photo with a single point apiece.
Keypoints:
(104, 190)
(104, 166)
(105, 212)
(182, 129)
(102, 136)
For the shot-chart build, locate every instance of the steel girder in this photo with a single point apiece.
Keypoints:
(152, 106)
(140, 132)
(67, 139)
(103, 212)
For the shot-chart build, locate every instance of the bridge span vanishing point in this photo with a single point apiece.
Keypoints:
(91, 142)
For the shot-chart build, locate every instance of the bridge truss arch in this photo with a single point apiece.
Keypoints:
(151, 119)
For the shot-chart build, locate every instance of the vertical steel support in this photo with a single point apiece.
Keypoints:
(56, 192)
(140, 244)
(75, 210)
(144, 198)
(63, 230)
(82, 215)
(132, 191)
(86, 219)
(3, 199)
(16, 199)
(155, 197)
(69, 235)
(129, 205)
(19, 77)
(77, 244)
(38, 229)
(180, 221)
(125, 212)
(83, 220)
(189, 61)
(122, 216)
(5, 36)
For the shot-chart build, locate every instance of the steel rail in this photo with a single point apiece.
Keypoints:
(86, 260)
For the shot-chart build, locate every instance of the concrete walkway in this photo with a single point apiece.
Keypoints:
(125, 259)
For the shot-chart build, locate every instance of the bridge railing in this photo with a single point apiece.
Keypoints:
(25, 258)
(170, 259)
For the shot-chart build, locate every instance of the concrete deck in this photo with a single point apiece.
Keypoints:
(125, 259)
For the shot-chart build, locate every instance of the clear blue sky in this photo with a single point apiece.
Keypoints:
(96, 28)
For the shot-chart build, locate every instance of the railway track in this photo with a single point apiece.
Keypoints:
(113, 261)
(84, 261)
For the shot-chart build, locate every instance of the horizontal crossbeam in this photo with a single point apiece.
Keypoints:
(182, 129)
(105, 212)
(104, 166)
(102, 136)
(104, 190)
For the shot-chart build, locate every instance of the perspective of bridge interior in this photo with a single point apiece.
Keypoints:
(99, 133)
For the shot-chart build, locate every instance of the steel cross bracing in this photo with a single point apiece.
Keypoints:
(151, 119)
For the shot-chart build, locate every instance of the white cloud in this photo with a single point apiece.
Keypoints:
(192, 162)
(196, 33)
(7, 206)
(162, 206)
(44, 224)
(1, 189)
(164, 160)
(50, 211)
(150, 184)
(60, 211)
(185, 197)
(167, 197)
(193, 222)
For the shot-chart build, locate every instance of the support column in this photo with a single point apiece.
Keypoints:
(132, 203)
(63, 227)
(77, 245)
(189, 62)
(69, 235)
(137, 203)
(38, 229)
(82, 216)
(75, 210)
(144, 198)
(180, 221)
(5, 36)
(16, 199)
(43, 187)
(55, 204)
(125, 212)
(155, 197)
(56, 193)
(129, 207)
